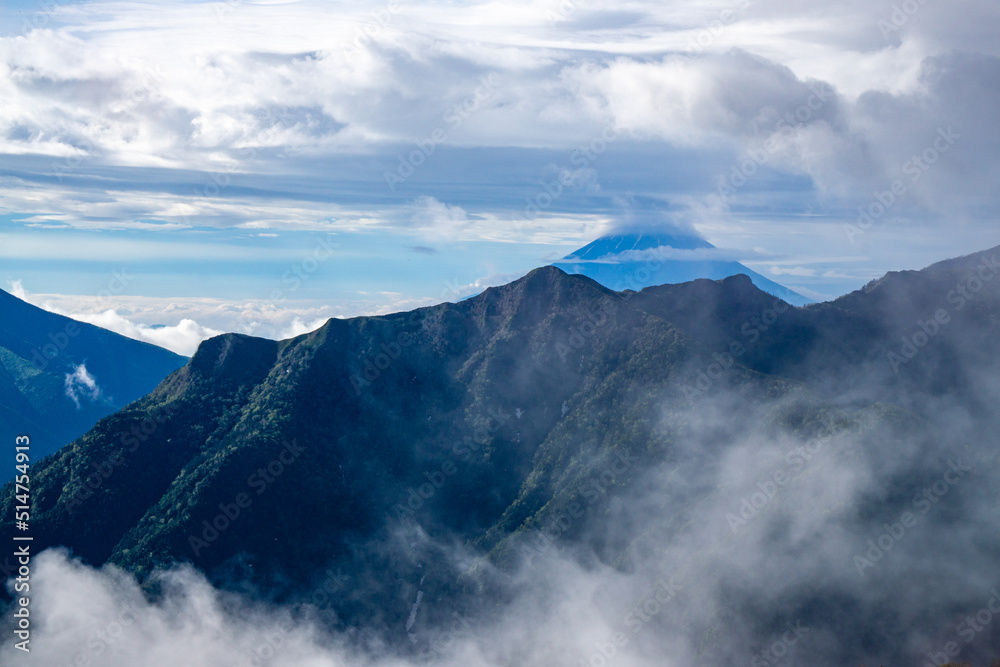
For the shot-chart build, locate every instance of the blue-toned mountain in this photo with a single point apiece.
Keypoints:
(635, 261)
(59, 376)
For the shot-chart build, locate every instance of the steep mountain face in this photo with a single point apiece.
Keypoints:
(510, 397)
(703, 434)
(59, 376)
(635, 261)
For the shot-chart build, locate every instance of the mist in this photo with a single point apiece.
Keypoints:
(779, 532)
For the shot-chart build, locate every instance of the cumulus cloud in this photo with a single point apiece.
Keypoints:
(182, 338)
(847, 145)
(689, 100)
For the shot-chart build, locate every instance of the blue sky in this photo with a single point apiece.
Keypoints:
(208, 151)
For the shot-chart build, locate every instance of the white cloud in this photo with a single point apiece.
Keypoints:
(124, 628)
(17, 289)
(182, 338)
(299, 327)
(180, 324)
(197, 625)
(81, 384)
(439, 221)
(800, 271)
(666, 253)
(113, 86)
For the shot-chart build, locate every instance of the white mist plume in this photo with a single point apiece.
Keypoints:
(80, 383)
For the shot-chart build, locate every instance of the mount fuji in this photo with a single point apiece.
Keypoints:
(635, 261)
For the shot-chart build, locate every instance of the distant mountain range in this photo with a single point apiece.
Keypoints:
(635, 261)
(638, 432)
(59, 376)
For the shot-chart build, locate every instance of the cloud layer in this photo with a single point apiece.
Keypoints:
(260, 89)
